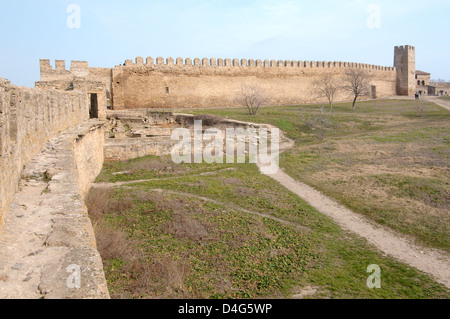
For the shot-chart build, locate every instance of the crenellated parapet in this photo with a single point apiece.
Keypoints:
(79, 69)
(157, 82)
(249, 64)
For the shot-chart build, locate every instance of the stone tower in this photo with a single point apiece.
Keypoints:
(405, 62)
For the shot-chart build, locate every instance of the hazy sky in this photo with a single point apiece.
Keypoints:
(111, 31)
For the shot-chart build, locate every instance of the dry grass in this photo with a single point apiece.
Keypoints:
(399, 178)
(388, 160)
(169, 246)
(208, 120)
(151, 165)
(161, 277)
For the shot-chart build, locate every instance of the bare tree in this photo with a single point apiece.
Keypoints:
(252, 96)
(318, 122)
(327, 87)
(357, 82)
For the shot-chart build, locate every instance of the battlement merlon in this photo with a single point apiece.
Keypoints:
(405, 48)
(60, 65)
(214, 63)
(78, 69)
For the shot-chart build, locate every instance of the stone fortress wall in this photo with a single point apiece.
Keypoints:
(93, 81)
(189, 83)
(218, 83)
(50, 153)
(28, 119)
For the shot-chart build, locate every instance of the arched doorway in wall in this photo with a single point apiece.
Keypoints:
(93, 106)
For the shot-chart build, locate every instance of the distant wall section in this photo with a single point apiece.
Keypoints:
(217, 83)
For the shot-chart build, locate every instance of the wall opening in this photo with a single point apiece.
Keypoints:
(93, 109)
(374, 92)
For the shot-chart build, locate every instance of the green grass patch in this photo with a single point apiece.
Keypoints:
(442, 134)
(184, 247)
(179, 246)
(386, 135)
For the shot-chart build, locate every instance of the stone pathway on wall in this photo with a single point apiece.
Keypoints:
(47, 234)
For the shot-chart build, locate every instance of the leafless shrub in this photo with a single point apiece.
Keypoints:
(318, 122)
(252, 96)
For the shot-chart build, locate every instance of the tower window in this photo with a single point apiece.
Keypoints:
(167, 90)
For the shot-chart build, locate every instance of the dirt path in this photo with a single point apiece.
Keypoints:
(399, 246)
(444, 103)
(404, 249)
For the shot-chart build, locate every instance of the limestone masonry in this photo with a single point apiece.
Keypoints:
(28, 119)
(50, 153)
(187, 83)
